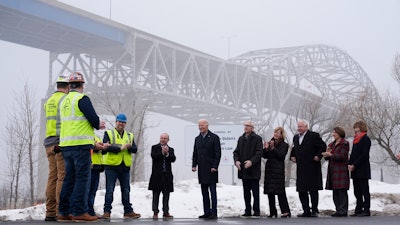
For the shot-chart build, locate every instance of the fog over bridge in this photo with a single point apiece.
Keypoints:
(169, 78)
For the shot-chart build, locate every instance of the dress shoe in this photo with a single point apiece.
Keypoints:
(339, 215)
(364, 214)
(286, 215)
(85, 217)
(212, 217)
(132, 215)
(355, 214)
(167, 216)
(304, 215)
(256, 215)
(246, 215)
(66, 218)
(205, 216)
(313, 214)
(155, 216)
(50, 218)
(272, 215)
(106, 215)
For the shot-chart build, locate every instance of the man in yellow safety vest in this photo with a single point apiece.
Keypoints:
(56, 161)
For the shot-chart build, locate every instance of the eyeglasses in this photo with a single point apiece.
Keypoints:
(248, 125)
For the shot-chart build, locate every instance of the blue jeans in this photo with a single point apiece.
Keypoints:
(206, 198)
(74, 192)
(122, 174)
(94, 184)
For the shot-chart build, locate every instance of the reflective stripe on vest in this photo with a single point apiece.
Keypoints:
(52, 110)
(115, 159)
(75, 128)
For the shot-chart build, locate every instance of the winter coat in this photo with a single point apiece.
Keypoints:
(338, 173)
(274, 180)
(249, 148)
(207, 155)
(359, 157)
(309, 175)
(159, 180)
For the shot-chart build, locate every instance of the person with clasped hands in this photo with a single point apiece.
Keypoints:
(275, 152)
(337, 178)
(247, 158)
(206, 156)
(161, 179)
(307, 153)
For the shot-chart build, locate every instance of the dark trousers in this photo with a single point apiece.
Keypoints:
(251, 185)
(341, 200)
(206, 198)
(363, 197)
(94, 184)
(283, 204)
(305, 202)
(165, 200)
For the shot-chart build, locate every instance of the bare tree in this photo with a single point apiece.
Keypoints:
(22, 132)
(15, 158)
(382, 117)
(396, 68)
(27, 113)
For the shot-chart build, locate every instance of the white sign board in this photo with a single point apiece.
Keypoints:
(228, 135)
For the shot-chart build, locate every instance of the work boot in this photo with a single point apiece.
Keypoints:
(62, 218)
(167, 216)
(132, 215)
(106, 215)
(84, 218)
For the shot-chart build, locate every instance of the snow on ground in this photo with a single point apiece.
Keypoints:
(186, 201)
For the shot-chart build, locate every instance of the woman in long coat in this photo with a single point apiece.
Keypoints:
(274, 183)
(360, 168)
(337, 178)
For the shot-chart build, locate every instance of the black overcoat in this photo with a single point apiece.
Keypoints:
(309, 174)
(160, 181)
(207, 155)
(274, 176)
(249, 149)
(359, 157)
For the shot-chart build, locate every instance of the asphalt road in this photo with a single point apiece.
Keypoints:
(373, 220)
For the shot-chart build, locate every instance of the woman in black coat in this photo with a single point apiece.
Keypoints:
(274, 182)
(360, 169)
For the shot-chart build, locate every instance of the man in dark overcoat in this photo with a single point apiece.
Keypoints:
(206, 156)
(161, 179)
(247, 158)
(307, 153)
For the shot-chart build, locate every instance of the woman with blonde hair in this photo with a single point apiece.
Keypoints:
(275, 152)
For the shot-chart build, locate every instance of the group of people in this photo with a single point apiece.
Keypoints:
(77, 156)
(307, 151)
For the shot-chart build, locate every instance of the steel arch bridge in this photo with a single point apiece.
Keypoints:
(188, 84)
(176, 80)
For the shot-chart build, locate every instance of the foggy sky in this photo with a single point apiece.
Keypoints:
(366, 29)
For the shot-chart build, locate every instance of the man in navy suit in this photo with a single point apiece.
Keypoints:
(307, 153)
(206, 156)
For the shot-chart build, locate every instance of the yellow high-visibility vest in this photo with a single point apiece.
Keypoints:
(97, 157)
(75, 128)
(115, 159)
(52, 110)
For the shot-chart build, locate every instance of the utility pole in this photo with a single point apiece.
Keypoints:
(228, 38)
